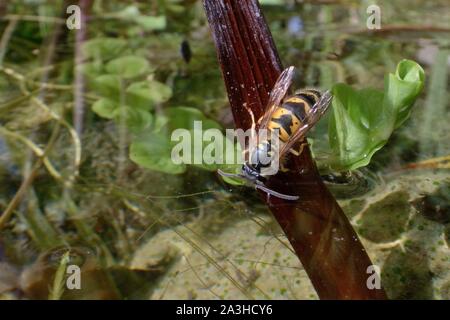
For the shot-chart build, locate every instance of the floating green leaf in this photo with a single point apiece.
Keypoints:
(104, 48)
(207, 152)
(160, 123)
(105, 108)
(92, 69)
(147, 93)
(137, 120)
(152, 150)
(108, 85)
(363, 120)
(139, 95)
(402, 89)
(213, 147)
(128, 13)
(184, 117)
(159, 91)
(237, 169)
(128, 66)
(150, 23)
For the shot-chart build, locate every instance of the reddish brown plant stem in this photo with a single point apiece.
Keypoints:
(315, 225)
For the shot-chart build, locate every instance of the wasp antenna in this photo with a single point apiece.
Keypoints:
(276, 194)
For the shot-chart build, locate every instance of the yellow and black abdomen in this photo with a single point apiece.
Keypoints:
(293, 113)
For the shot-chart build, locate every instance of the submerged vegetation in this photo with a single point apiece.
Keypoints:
(109, 199)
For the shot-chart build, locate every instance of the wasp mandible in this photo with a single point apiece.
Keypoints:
(288, 119)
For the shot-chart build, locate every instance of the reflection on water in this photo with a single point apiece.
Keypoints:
(141, 233)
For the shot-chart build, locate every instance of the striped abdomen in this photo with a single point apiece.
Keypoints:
(293, 113)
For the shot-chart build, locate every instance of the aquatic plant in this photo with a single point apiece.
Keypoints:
(85, 141)
(363, 120)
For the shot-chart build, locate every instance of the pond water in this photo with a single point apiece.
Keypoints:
(85, 179)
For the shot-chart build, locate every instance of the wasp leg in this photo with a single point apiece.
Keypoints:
(252, 116)
(253, 127)
(283, 168)
(300, 150)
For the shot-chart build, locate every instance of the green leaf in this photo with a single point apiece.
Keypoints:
(233, 181)
(128, 13)
(214, 152)
(159, 92)
(356, 129)
(147, 93)
(160, 123)
(150, 23)
(109, 86)
(213, 149)
(138, 95)
(128, 66)
(136, 120)
(363, 120)
(103, 48)
(153, 151)
(210, 153)
(402, 89)
(184, 117)
(105, 108)
(176, 8)
(92, 69)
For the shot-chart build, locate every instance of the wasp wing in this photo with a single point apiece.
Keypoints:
(316, 112)
(277, 94)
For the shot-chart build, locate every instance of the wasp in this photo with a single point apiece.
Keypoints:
(289, 118)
